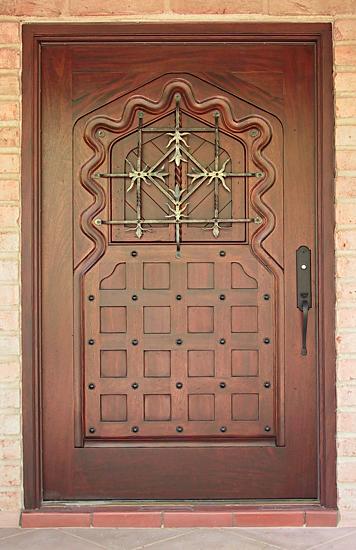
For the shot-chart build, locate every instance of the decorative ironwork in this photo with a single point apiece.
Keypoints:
(177, 197)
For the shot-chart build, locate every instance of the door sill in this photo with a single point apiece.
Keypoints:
(138, 514)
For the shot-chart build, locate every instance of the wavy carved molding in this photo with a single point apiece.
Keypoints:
(235, 128)
(166, 101)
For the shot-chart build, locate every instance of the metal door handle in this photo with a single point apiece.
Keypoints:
(305, 309)
(304, 292)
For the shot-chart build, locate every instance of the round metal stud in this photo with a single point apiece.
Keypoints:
(134, 297)
(303, 266)
(134, 342)
(179, 385)
(101, 133)
(179, 429)
(134, 385)
(222, 341)
(222, 385)
(223, 429)
(91, 297)
(222, 297)
(266, 297)
(222, 253)
(267, 428)
(134, 253)
(92, 430)
(266, 340)
(254, 133)
(267, 384)
(179, 341)
(91, 341)
(91, 386)
(178, 297)
(135, 429)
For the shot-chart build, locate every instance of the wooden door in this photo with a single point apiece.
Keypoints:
(178, 183)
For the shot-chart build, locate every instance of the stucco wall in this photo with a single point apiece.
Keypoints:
(13, 13)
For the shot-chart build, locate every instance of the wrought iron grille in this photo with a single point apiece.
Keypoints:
(177, 194)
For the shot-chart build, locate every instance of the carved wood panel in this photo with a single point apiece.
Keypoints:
(179, 348)
(181, 340)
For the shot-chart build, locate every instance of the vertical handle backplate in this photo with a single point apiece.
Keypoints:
(304, 292)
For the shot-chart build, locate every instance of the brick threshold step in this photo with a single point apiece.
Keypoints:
(181, 518)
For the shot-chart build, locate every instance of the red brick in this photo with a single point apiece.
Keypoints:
(346, 135)
(116, 7)
(346, 370)
(127, 519)
(346, 265)
(197, 519)
(346, 472)
(345, 82)
(346, 446)
(269, 519)
(9, 136)
(54, 519)
(9, 110)
(9, 58)
(221, 7)
(33, 7)
(345, 29)
(9, 32)
(345, 290)
(10, 475)
(9, 345)
(10, 449)
(10, 500)
(324, 518)
(9, 190)
(8, 321)
(346, 422)
(345, 54)
(346, 186)
(9, 371)
(346, 160)
(9, 84)
(346, 213)
(305, 7)
(9, 163)
(345, 107)
(346, 239)
(9, 295)
(346, 397)
(346, 318)
(9, 215)
(347, 494)
(9, 242)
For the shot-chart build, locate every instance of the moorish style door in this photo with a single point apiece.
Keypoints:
(178, 247)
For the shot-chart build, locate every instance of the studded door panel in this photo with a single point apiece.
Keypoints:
(179, 348)
(179, 303)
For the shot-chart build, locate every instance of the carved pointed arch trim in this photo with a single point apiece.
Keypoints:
(98, 124)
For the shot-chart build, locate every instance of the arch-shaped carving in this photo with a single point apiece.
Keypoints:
(155, 107)
(237, 128)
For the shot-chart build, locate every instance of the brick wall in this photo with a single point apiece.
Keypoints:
(345, 139)
(12, 14)
(10, 441)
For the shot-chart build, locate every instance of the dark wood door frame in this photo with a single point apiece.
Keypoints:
(34, 35)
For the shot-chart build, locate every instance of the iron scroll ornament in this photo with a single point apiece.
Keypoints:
(177, 195)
